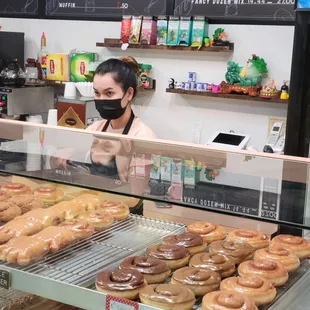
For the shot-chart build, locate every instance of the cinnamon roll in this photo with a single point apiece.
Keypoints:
(192, 242)
(227, 300)
(174, 255)
(13, 189)
(119, 210)
(153, 270)
(81, 229)
(298, 244)
(258, 288)
(49, 195)
(208, 231)
(99, 219)
(221, 264)
(120, 283)
(168, 296)
(257, 240)
(272, 270)
(238, 251)
(276, 252)
(200, 281)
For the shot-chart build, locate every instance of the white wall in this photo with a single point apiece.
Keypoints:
(172, 116)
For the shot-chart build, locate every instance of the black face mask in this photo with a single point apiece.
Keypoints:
(110, 108)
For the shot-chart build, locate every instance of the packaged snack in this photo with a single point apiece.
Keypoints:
(173, 30)
(199, 31)
(162, 30)
(149, 30)
(125, 29)
(135, 30)
(185, 31)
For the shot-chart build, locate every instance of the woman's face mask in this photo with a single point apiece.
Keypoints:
(110, 109)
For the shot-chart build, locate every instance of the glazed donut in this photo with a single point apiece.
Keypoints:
(153, 270)
(99, 219)
(49, 195)
(221, 264)
(285, 255)
(88, 201)
(200, 281)
(272, 270)
(227, 300)
(168, 296)
(45, 217)
(238, 251)
(208, 231)
(81, 229)
(119, 210)
(192, 242)
(258, 288)
(174, 255)
(68, 210)
(257, 240)
(120, 283)
(4, 196)
(26, 202)
(299, 245)
(13, 189)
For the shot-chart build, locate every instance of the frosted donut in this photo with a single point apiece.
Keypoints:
(13, 189)
(285, 255)
(208, 231)
(272, 270)
(119, 210)
(49, 195)
(257, 240)
(258, 288)
(299, 245)
(89, 201)
(99, 219)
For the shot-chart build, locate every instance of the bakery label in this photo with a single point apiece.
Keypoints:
(5, 279)
(116, 303)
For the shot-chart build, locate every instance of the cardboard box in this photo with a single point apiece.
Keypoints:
(149, 30)
(173, 30)
(79, 65)
(135, 30)
(185, 31)
(57, 67)
(162, 30)
(200, 30)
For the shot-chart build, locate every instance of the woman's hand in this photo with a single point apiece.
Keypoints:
(60, 159)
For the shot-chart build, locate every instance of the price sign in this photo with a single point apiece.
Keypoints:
(116, 303)
(5, 279)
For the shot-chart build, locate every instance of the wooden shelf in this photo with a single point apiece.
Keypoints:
(114, 43)
(226, 96)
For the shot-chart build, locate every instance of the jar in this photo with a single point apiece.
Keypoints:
(13, 75)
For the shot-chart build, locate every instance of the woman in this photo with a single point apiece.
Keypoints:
(115, 86)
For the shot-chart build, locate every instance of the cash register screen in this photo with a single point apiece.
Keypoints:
(229, 139)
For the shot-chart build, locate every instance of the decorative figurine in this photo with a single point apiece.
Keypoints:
(244, 80)
(269, 91)
(284, 91)
(219, 38)
(207, 42)
(172, 83)
(215, 88)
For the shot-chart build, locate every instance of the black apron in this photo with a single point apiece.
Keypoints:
(110, 170)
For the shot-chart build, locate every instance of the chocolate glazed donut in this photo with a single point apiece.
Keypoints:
(193, 242)
(174, 255)
(121, 283)
(200, 281)
(153, 269)
(227, 300)
(168, 296)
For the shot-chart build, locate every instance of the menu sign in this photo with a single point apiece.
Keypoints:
(106, 8)
(19, 7)
(238, 10)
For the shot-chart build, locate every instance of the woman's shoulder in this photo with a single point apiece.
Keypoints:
(96, 126)
(142, 130)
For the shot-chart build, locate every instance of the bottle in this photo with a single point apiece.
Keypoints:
(42, 56)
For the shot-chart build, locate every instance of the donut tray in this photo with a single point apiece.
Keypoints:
(7, 296)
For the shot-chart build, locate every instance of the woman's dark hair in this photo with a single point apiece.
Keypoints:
(123, 71)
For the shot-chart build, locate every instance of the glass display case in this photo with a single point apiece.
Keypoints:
(166, 185)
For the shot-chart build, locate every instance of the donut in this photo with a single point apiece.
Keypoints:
(208, 231)
(272, 270)
(68, 210)
(88, 201)
(299, 245)
(121, 283)
(238, 251)
(49, 195)
(8, 211)
(168, 296)
(192, 242)
(227, 300)
(221, 264)
(119, 210)
(26, 202)
(199, 281)
(4, 196)
(99, 219)
(257, 240)
(174, 255)
(258, 288)
(276, 252)
(81, 229)
(13, 189)
(153, 270)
